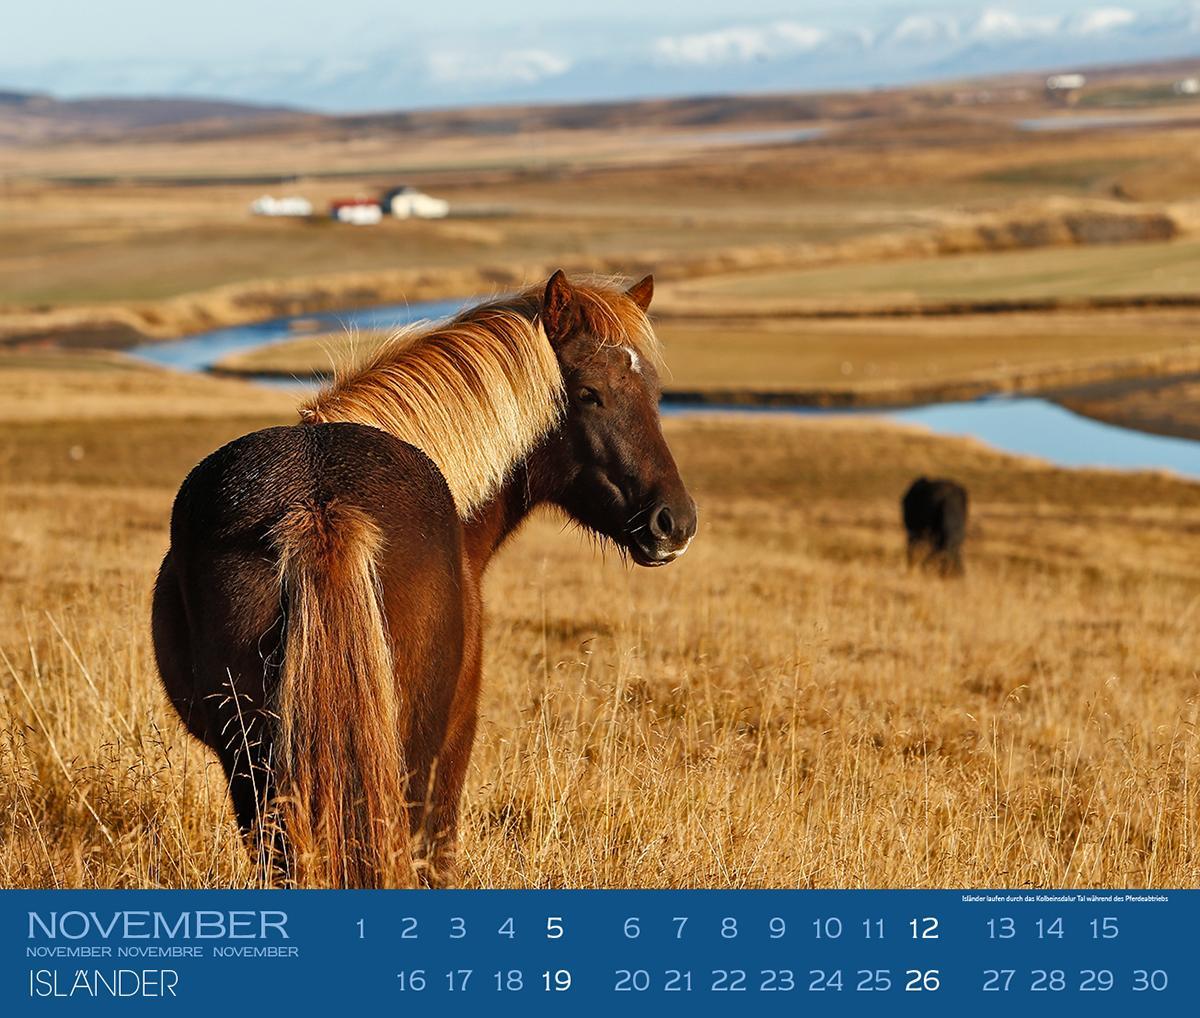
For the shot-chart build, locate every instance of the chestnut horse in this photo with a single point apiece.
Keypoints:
(317, 618)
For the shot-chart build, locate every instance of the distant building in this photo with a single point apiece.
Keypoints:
(269, 206)
(1065, 88)
(1065, 82)
(356, 211)
(409, 203)
(1188, 86)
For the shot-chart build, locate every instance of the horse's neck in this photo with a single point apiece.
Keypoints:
(527, 487)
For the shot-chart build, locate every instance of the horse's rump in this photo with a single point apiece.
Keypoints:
(311, 596)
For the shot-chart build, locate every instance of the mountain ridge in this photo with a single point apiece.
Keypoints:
(34, 118)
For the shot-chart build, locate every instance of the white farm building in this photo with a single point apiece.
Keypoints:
(271, 206)
(409, 203)
(356, 212)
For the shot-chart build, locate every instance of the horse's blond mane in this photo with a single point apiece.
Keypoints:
(477, 393)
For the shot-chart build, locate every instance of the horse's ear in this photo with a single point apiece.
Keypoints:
(560, 310)
(642, 293)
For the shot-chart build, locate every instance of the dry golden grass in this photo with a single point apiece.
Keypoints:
(785, 706)
(1097, 270)
(102, 227)
(868, 355)
(1166, 406)
(306, 356)
(101, 386)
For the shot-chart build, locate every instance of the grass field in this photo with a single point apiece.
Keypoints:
(1166, 406)
(785, 706)
(92, 223)
(1095, 271)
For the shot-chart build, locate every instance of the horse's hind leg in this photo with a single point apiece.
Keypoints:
(921, 552)
(173, 652)
(237, 633)
(217, 710)
(244, 746)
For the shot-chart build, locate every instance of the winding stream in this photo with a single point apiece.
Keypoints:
(1026, 426)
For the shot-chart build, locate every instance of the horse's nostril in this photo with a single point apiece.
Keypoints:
(661, 523)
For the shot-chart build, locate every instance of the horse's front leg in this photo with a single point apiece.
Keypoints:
(449, 780)
(438, 786)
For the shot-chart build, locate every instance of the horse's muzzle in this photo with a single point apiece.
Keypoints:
(668, 533)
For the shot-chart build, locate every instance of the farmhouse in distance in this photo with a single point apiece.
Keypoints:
(401, 202)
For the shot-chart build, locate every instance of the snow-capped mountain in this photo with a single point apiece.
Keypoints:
(822, 50)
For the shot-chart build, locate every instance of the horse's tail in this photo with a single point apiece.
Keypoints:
(339, 758)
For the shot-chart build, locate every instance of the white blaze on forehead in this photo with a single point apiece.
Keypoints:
(634, 362)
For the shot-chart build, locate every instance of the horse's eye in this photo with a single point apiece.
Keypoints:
(588, 397)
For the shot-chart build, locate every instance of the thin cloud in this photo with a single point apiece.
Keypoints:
(738, 44)
(1104, 19)
(514, 67)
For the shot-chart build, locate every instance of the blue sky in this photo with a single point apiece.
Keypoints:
(361, 54)
(47, 31)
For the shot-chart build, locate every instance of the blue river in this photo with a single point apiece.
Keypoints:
(1026, 426)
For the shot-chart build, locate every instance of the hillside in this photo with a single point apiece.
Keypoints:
(31, 117)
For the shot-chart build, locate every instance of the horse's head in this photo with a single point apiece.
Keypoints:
(621, 479)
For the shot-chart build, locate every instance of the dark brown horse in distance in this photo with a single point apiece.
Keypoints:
(317, 619)
(935, 517)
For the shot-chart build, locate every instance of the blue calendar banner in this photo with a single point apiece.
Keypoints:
(592, 952)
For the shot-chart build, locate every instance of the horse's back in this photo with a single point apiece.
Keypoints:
(241, 490)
